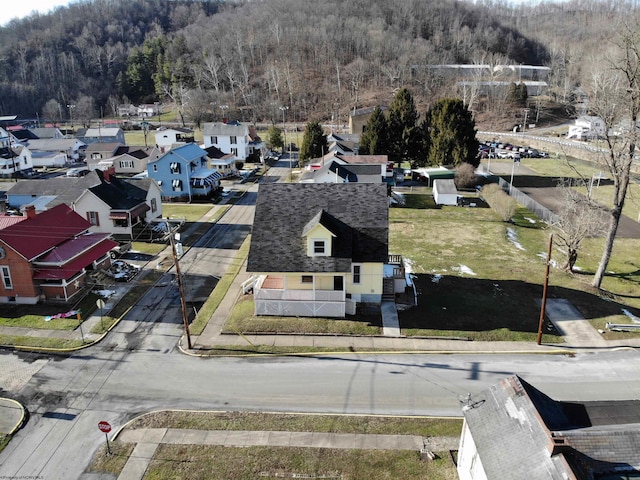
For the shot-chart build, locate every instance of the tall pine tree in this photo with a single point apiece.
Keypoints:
(374, 140)
(452, 134)
(404, 132)
(314, 142)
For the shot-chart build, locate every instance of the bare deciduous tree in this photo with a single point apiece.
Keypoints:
(577, 218)
(615, 98)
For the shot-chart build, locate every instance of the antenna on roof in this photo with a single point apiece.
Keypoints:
(467, 404)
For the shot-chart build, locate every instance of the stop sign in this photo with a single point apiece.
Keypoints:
(104, 427)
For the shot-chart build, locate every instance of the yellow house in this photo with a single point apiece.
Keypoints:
(318, 249)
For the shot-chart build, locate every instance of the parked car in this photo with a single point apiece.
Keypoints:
(122, 271)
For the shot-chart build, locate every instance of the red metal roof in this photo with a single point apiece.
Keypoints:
(35, 236)
(70, 249)
(71, 268)
(8, 220)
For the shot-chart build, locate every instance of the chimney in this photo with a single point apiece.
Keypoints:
(30, 210)
(224, 120)
(106, 174)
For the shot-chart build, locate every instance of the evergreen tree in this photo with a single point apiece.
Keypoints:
(314, 142)
(373, 140)
(452, 134)
(404, 141)
(274, 137)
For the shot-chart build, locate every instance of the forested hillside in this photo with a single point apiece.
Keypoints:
(318, 58)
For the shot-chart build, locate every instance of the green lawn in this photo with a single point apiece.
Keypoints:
(205, 462)
(190, 212)
(481, 278)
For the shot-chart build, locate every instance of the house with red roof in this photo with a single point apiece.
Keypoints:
(46, 256)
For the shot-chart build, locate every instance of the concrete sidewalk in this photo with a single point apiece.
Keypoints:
(578, 335)
(147, 441)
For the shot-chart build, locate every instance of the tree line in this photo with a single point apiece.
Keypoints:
(251, 56)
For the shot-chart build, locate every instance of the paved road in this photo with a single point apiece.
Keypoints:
(68, 397)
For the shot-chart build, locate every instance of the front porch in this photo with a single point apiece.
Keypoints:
(313, 296)
(397, 283)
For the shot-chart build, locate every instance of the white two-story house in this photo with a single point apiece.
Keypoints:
(238, 139)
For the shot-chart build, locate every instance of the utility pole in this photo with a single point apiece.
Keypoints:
(544, 291)
(183, 303)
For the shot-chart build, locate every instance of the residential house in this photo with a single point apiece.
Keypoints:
(124, 159)
(335, 172)
(97, 152)
(15, 161)
(148, 110)
(323, 256)
(514, 430)
(223, 163)
(53, 264)
(133, 160)
(587, 127)
(103, 135)
(121, 207)
(45, 133)
(55, 152)
(168, 138)
(238, 139)
(344, 144)
(182, 173)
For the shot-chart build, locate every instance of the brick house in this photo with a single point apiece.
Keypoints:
(46, 256)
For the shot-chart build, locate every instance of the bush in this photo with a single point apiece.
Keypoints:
(465, 176)
(499, 201)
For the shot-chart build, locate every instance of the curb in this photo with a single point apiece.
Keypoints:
(23, 416)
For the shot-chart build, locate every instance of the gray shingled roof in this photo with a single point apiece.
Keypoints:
(357, 214)
(514, 427)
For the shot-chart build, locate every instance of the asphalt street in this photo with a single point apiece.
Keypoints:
(67, 397)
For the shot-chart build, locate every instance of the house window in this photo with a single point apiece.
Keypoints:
(319, 247)
(214, 139)
(96, 156)
(126, 163)
(234, 151)
(6, 278)
(176, 185)
(307, 279)
(356, 273)
(154, 205)
(155, 168)
(175, 167)
(93, 218)
(233, 140)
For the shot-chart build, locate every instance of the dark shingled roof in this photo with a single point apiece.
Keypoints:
(118, 194)
(357, 214)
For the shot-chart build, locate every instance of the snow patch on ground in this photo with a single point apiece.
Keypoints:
(553, 263)
(512, 236)
(463, 269)
(436, 278)
(530, 220)
(633, 318)
(104, 293)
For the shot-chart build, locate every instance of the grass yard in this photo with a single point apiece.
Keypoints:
(481, 278)
(190, 212)
(217, 462)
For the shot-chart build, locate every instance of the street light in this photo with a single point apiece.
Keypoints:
(70, 107)
(515, 161)
(284, 130)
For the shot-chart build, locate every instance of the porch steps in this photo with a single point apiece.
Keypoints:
(388, 294)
